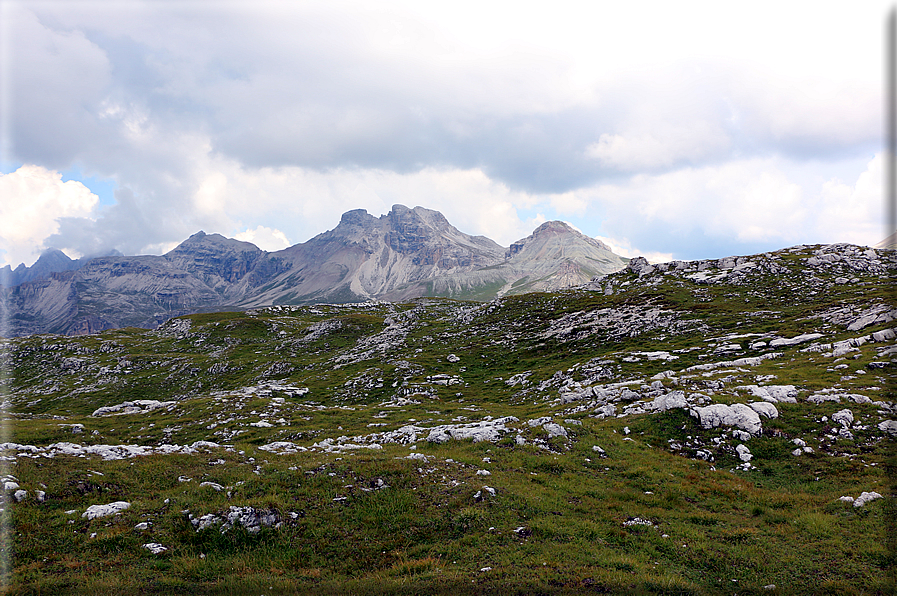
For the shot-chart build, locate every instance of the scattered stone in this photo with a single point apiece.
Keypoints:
(866, 498)
(95, 511)
(138, 406)
(250, 518)
(773, 393)
(764, 409)
(669, 401)
(555, 430)
(487, 430)
(155, 548)
(282, 447)
(843, 417)
(738, 415)
(888, 426)
(637, 521)
(800, 339)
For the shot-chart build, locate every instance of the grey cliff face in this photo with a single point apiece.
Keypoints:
(404, 254)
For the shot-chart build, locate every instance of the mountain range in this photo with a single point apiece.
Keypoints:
(407, 253)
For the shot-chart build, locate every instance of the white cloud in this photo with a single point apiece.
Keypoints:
(277, 116)
(268, 239)
(661, 147)
(568, 203)
(750, 201)
(303, 202)
(33, 198)
(624, 248)
(853, 213)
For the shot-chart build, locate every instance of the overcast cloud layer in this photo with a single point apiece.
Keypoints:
(670, 130)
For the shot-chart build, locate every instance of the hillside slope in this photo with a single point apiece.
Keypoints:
(688, 428)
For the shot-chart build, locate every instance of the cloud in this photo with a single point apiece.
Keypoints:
(53, 78)
(34, 198)
(239, 117)
(751, 202)
(624, 248)
(265, 238)
(659, 149)
(853, 212)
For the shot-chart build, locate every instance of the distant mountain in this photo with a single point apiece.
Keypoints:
(404, 254)
(51, 261)
(554, 256)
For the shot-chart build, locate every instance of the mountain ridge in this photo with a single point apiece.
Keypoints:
(404, 254)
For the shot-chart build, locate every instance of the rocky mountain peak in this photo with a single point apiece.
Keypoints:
(553, 240)
(357, 217)
(553, 227)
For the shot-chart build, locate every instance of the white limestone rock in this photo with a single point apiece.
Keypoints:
(764, 409)
(866, 497)
(486, 430)
(888, 426)
(155, 548)
(640, 266)
(884, 335)
(793, 341)
(737, 415)
(843, 417)
(138, 406)
(773, 393)
(95, 511)
(744, 454)
(669, 401)
(282, 447)
(606, 411)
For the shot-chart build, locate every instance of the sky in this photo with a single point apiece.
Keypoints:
(673, 130)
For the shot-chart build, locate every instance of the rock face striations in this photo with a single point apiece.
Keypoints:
(553, 257)
(404, 254)
(367, 257)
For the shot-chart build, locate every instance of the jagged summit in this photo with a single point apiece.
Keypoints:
(553, 257)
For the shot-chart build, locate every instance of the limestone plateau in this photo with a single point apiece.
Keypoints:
(405, 254)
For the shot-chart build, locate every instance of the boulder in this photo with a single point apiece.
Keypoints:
(669, 401)
(737, 415)
(793, 341)
(764, 409)
(865, 498)
(640, 266)
(843, 417)
(95, 511)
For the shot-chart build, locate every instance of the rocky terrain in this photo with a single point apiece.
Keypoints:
(699, 427)
(405, 254)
